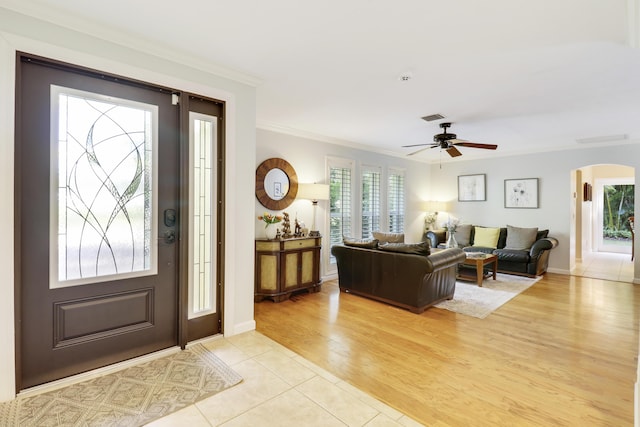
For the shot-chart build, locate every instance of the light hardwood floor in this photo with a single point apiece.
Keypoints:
(561, 353)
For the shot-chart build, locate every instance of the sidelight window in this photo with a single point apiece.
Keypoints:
(202, 256)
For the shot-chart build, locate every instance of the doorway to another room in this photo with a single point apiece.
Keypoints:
(604, 240)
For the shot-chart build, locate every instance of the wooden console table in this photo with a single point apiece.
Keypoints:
(286, 266)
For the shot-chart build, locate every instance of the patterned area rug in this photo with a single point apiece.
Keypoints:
(472, 300)
(130, 397)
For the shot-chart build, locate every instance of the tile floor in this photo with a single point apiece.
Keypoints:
(605, 265)
(280, 388)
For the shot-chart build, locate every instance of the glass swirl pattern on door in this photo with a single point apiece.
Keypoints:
(103, 194)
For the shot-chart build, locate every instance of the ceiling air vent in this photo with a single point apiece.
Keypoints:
(433, 117)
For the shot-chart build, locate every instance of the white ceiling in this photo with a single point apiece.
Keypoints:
(526, 75)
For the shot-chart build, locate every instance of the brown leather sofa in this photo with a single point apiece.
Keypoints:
(414, 282)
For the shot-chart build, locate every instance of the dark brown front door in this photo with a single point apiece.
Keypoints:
(97, 207)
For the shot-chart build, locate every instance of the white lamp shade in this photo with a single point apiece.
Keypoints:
(435, 206)
(313, 191)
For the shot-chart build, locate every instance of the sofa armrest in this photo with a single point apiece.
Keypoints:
(436, 237)
(542, 245)
(446, 258)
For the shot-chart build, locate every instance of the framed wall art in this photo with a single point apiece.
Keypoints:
(521, 193)
(471, 188)
(587, 190)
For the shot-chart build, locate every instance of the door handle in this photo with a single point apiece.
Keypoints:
(169, 236)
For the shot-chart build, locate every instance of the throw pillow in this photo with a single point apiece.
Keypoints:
(463, 234)
(388, 237)
(520, 238)
(486, 237)
(422, 248)
(360, 243)
(542, 234)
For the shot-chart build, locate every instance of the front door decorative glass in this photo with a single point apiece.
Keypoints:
(103, 179)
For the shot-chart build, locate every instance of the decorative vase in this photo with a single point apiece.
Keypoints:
(451, 241)
(270, 231)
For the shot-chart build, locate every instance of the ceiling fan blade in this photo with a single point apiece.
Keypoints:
(453, 151)
(469, 144)
(417, 145)
(420, 150)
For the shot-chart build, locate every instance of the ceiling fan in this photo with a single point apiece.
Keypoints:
(448, 142)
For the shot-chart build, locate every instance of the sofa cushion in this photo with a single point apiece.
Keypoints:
(512, 255)
(360, 243)
(542, 234)
(520, 238)
(422, 248)
(486, 237)
(388, 237)
(463, 234)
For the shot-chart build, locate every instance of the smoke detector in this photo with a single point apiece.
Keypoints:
(405, 77)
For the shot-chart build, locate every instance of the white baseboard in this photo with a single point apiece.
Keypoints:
(241, 327)
(559, 271)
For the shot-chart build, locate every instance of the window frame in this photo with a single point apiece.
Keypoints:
(339, 163)
(376, 224)
(390, 173)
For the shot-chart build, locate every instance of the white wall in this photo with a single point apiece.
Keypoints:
(20, 33)
(553, 169)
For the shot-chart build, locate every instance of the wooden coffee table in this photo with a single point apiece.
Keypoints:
(477, 262)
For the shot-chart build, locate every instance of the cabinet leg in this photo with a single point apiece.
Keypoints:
(281, 298)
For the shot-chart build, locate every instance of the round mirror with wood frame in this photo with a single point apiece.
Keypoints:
(276, 184)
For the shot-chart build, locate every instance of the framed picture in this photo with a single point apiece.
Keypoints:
(521, 193)
(471, 188)
(586, 192)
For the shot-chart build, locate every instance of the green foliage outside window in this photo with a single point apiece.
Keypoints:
(618, 207)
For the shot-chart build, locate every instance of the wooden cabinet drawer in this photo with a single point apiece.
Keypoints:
(268, 246)
(298, 244)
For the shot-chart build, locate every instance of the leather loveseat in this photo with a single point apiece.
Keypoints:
(409, 280)
(526, 258)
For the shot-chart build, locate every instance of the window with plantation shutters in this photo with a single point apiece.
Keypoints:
(370, 202)
(395, 201)
(340, 198)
